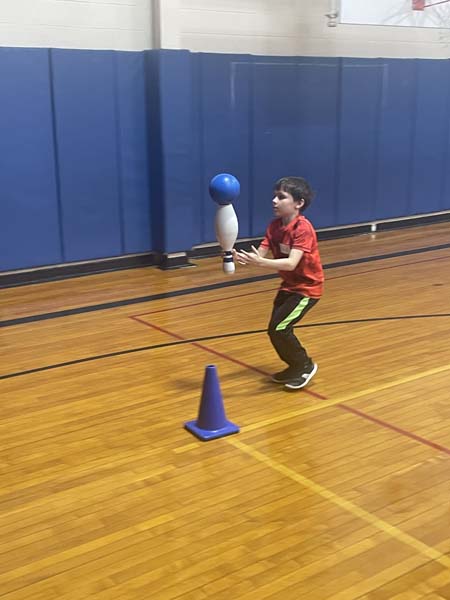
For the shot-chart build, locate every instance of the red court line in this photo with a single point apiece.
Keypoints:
(355, 411)
(413, 436)
(217, 353)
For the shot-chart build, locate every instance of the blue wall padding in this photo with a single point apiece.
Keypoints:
(358, 143)
(430, 159)
(396, 139)
(87, 135)
(109, 153)
(318, 117)
(29, 221)
(133, 151)
(155, 150)
(176, 116)
(275, 113)
(221, 123)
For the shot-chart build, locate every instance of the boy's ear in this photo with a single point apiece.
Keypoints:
(300, 203)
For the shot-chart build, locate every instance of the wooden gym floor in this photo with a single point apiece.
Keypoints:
(340, 491)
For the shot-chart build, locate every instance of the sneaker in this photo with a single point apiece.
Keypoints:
(298, 382)
(286, 375)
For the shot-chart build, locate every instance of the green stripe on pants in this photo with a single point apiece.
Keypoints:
(293, 315)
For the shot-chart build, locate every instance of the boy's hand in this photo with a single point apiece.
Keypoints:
(238, 256)
(248, 258)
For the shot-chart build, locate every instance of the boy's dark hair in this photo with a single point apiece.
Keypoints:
(298, 187)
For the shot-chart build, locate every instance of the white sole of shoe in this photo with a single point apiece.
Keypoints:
(290, 386)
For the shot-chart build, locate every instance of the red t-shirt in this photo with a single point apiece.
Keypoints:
(307, 278)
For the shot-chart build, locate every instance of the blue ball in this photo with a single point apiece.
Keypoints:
(224, 188)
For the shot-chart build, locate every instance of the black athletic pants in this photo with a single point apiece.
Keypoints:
(288, 309)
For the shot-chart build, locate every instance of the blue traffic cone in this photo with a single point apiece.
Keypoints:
(211, 422)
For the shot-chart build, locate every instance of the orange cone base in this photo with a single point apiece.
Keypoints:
(211, 434)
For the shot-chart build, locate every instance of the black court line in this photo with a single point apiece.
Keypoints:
(205, 288)
(209, 338)
(272, 289)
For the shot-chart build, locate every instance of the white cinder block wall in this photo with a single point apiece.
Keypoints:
(295, 27)
(95, 24)
(270, 27)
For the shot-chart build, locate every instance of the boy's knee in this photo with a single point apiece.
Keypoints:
(275, 333)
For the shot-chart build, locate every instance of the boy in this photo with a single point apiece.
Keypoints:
(293, 242)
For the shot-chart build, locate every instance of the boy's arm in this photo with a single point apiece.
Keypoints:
(256, 257)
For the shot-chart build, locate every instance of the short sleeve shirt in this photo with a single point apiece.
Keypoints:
(307, 278)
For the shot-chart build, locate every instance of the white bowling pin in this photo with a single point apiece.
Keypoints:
(226, 224)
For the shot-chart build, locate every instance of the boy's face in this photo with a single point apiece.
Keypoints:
(284, 205)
